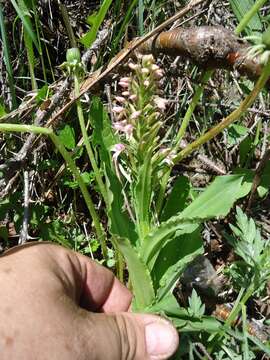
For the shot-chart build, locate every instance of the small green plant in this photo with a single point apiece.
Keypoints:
(253, 269)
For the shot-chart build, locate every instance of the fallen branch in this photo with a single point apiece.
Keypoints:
(210, 47)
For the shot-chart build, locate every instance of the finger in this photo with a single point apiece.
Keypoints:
(101, 290)
(91, 285)
(128, 336)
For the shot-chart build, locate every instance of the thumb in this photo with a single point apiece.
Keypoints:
(128, 336)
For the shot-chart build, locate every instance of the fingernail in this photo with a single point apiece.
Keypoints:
(161, 340)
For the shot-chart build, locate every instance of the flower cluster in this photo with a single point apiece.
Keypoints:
(138, 110)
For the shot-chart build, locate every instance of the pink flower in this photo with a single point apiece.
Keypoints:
(146, 83)
(145, 71)
(124, 84)
(119, 125)
(120, 99)
(133, 66)
(118, 109)
(133, 97)
(158, 74)
(160, 103)
(128, 130)
(125, 93)
(125, 79)
(154, 67)
(117, 149)
(135, 115)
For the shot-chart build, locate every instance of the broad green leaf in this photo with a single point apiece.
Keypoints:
(139, 275)
(180, 317)
(156, 239)
(95, 21)
(142, 194)
(174, 255)
(103, 137)
(240, 8)
(119, 222)
(264, 186)
(177, 199)
(216, 200)
(174, 267)
(67, 137)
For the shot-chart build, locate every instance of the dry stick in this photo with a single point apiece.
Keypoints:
(15, 163)
(208, 46)
(123, 55)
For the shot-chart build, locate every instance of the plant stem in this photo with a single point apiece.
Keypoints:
(25, 128)
(90, 205)
(87, 143)
(236, 114)
(196, 97)
(243, 23)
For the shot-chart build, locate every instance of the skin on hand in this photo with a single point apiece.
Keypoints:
(59, 305)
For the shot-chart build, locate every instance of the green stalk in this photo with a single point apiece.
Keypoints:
(68, 26)
(196, 97)
(87, 143)
(25, 128)
(60, 147)
(236, 114)
(90, 205)
(7, 60)
(243, 23)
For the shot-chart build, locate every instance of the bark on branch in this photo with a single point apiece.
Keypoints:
(207, 46)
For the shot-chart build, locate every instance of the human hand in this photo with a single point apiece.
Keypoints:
(59, 305)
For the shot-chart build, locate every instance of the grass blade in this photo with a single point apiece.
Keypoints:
(7, 58)
(25, 18)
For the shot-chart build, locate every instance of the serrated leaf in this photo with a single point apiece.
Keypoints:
(180, 317)
(196, 307)
(139, 275)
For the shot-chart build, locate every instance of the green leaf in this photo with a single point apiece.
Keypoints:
(24, 15)
(165, 274)
(119, 222)
(181, 318)
(142, 196)
(95, 20)
(157, 238)
(139, 275)
(103, 137)
(67, 137)
(196, 307)
(177, 199)
(174, 255)
(240, 8)
(216, 200)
